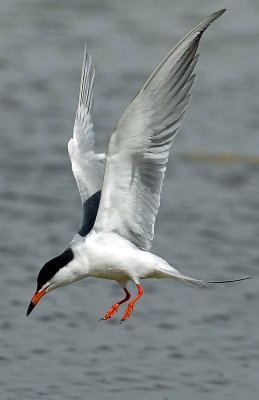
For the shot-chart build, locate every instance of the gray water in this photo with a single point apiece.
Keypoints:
(180, 342)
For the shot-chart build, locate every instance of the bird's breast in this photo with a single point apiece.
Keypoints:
(110, 256)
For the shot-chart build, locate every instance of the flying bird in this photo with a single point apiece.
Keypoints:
(120, 191)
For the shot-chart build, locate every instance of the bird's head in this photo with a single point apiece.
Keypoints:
(52, 275)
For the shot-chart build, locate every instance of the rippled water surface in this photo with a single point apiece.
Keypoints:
(181, 342)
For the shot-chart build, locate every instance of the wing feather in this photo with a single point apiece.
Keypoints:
(138, 150)
(87, 167)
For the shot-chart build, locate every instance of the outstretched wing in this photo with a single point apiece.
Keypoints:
(87, 167)
(138, 150)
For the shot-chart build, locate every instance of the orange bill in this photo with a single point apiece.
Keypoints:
(36, 298)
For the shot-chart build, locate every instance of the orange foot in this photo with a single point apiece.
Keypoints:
(131, 304)
(115, 307)
(111, 312)
(128, 311)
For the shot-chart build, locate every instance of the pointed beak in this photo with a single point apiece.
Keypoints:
(34, 301)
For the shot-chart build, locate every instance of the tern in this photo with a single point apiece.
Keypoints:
(120, 191)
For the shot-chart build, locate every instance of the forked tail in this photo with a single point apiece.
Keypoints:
(229, 280)
(166, 271)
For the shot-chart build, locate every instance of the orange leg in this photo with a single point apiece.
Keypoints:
(115, 307)
(131, 304)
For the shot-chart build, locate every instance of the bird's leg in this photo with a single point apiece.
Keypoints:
(131, 304)
(115, 307)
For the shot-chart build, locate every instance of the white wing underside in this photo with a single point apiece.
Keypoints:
(138, 150)
(87, 167)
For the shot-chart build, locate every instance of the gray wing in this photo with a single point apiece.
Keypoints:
(87, 167)
(138, 150)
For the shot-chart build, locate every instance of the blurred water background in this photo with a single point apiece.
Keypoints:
(181, 342)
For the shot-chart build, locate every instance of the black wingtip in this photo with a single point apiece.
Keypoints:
(220, 12)
(30, 308)
(212, 18)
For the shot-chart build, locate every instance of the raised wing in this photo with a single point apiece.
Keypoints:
(138, 150)
(87, 167)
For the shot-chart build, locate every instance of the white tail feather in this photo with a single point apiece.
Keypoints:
(166, 271)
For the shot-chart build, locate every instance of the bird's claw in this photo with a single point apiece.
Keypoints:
(127, 312)
(111, 312)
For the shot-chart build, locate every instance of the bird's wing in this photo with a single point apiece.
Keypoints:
(138, 150)
(88, 167)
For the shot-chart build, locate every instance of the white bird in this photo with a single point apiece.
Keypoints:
(121, 196)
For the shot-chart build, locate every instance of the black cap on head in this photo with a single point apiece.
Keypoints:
(53, 266)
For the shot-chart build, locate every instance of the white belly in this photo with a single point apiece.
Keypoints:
(109, 256)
